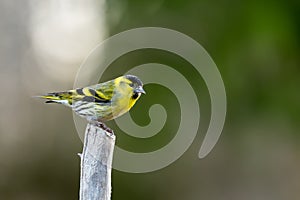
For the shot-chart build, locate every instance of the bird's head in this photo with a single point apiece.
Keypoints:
(137, 86)
(129, 89)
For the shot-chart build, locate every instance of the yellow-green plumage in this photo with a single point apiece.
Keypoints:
(101, 102)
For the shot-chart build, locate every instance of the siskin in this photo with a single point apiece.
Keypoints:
(101, 102)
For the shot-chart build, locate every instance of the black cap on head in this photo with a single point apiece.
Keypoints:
(134, 80)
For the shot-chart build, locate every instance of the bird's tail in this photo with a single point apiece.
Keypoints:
(58, 97)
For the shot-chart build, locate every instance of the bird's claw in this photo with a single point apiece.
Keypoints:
(103, 126)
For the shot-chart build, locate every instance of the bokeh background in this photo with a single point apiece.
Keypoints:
(256, 46)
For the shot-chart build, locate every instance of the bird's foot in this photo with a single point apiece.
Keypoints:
(104, 127)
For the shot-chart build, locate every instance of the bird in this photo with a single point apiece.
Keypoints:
(101, 102)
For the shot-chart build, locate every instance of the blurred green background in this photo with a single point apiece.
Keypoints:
(256, 46)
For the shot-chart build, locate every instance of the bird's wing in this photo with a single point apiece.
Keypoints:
(100, 93)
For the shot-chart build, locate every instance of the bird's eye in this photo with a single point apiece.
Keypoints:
(135, 95)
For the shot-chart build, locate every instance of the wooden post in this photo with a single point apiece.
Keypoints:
(96, 164)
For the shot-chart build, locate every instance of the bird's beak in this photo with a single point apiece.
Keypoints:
(140, 90)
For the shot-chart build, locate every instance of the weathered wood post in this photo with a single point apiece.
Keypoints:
(96, 164)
